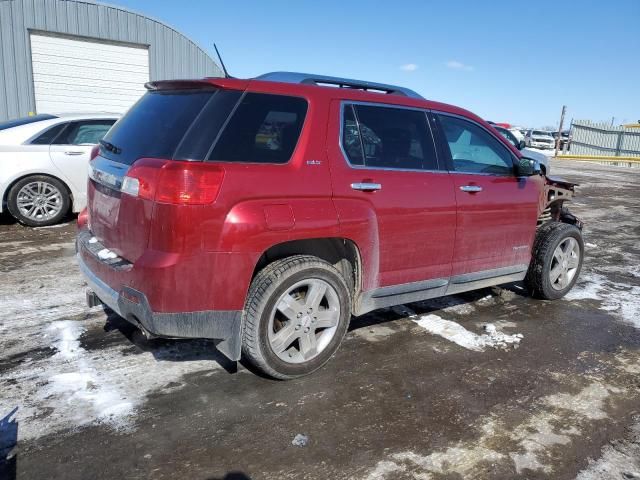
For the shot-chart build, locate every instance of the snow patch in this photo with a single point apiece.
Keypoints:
(528, 445)
(58, 385)
(620, 299)
(106, 254)
(456, 333)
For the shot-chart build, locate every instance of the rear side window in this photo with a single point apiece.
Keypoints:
(386, 137)
(49, 135)
(156, 125)
(86, 132)
(263, 129)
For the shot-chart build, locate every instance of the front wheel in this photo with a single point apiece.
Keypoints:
(296, 315)
(556, 261)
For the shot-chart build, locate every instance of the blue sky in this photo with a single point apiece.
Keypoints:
(510, 61)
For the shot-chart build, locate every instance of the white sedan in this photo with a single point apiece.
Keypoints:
(43, 165)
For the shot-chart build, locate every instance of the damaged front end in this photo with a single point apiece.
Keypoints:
(556, 193)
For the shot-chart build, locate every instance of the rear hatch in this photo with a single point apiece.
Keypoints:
(174, 123)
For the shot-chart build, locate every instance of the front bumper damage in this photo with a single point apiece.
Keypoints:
(556, 192)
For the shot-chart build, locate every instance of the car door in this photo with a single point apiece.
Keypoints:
(496, 210)
(386, 182)
(70, 151)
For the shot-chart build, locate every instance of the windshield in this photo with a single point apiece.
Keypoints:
(540, 133)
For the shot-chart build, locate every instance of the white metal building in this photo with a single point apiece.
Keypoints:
(72, 56)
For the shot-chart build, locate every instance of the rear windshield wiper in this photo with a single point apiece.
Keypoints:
(110, 147)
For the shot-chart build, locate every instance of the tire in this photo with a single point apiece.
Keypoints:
(558, 247)
(49, 199)
(277, 296)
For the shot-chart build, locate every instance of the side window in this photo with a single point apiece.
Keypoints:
(46, 137)
(87, 132)
(263, 129)
(474, 150)
(390, 137)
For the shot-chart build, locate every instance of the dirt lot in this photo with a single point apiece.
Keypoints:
(416, 392)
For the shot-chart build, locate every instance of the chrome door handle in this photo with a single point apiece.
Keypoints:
(73, 152)
(471, 188)
(366, 187)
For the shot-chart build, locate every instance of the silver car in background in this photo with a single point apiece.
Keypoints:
(541, 158)
(539, 139)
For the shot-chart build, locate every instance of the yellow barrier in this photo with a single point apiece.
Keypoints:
(598, 158)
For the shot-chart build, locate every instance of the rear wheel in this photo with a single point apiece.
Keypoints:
(297, 312)
(556, 261)
(38, 201)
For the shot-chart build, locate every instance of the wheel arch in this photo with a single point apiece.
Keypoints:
(342, 253)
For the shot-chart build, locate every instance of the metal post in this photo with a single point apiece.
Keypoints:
(564, 108)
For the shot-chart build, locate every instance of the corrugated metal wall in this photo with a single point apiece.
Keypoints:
(588, 138)
(171, 54)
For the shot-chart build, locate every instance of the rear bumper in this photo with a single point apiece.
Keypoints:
(133, 306)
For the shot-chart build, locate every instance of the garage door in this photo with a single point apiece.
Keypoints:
(72, 75)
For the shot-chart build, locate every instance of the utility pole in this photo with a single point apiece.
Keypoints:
(564, 109)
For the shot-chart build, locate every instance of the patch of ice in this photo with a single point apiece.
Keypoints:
(558, 419)
(590, 245)
(456, 333)
(620, 460)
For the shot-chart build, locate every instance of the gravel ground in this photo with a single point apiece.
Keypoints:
(420, 391)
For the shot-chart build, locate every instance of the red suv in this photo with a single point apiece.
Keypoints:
(266, 212)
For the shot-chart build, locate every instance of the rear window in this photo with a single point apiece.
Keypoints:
(263, 129)
(157, 124)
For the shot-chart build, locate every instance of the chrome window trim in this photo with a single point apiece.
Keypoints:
(344, 103)
(467, 119)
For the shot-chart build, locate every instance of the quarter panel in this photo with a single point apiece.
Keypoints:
(17, 162)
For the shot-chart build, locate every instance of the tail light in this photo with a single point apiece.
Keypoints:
(95, 151)
(83, 218)
(174, 182)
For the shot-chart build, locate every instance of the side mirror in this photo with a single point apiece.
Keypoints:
(527, 167)
(521, 145)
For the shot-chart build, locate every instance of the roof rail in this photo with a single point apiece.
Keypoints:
(313, 79)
